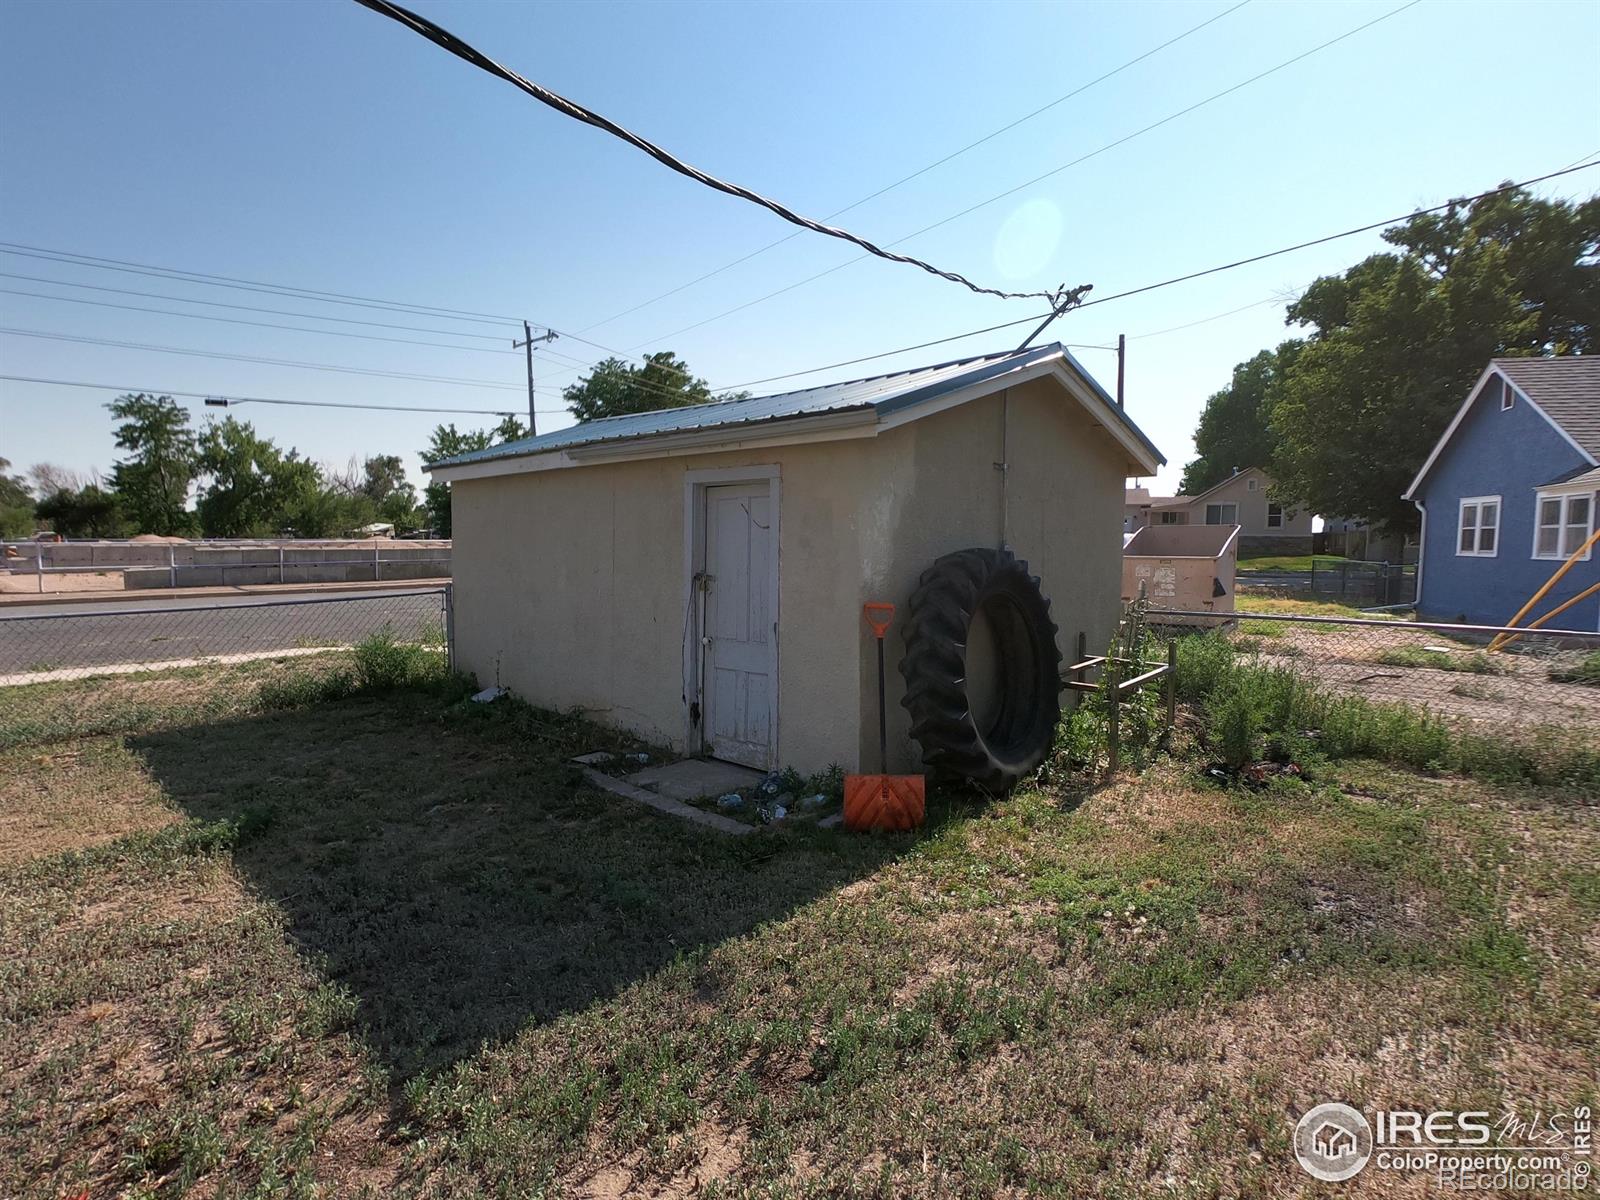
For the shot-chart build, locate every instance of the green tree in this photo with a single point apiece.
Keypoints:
(1397, 341)
(16, 504)
(382, 476)
(152, 485)
(614, 387)
(254, 489)
(1234, 430)
(446, 442)
(88, 512)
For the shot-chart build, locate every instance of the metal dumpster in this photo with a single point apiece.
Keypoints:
(1188, 567)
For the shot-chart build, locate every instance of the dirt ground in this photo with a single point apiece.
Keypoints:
(396, 946)
(27, 583)
(1492, 691)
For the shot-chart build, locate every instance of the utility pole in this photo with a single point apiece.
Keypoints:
(527, 342)
(1122, 361)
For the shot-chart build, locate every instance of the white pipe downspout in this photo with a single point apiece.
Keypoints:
(1422, 551)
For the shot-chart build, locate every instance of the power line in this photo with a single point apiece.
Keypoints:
(1277, 298)
(252, 285)
(280, 312)
(1150, 287)
(106, 387)
(642, 384)
(167, 312)
(1083, 158)
(448, 41)
(275, 362)
(931, 166)
(177, 275)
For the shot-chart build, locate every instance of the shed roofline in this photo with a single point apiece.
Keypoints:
(1489, 372)
(864, 420)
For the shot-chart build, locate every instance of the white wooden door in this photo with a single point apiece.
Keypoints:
(738, 682)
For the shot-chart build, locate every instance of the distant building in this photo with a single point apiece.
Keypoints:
(1509, 493)
(1352, 538)
(1265, 525)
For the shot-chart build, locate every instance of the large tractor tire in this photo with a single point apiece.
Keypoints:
(982, 669)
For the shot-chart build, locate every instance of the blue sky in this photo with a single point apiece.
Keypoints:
(318, 145)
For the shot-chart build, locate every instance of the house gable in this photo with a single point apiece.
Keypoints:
(1502, 455)
(1494, 384)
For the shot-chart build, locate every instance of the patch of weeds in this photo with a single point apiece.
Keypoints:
(1585, 671)
(1438, 660)
(186, 1144)
(1266, 629)
(1204, 661)
(827, 782)
(383, 663)
(300, 689)
(1082, 737)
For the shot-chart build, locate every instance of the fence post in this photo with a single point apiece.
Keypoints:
(38, 562)
(374, 560)
(1113, 728)
(1172, 682)
(280, 564)
(450, 627)
(1344, 579)
(1083, 653)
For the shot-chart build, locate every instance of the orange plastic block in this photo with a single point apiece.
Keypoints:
(885, 801)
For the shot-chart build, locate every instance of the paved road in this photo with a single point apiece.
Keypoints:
(1299, 581)
(55, 636)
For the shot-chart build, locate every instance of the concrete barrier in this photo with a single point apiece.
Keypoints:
(210, 564)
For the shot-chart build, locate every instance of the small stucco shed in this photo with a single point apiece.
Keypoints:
(697, 574)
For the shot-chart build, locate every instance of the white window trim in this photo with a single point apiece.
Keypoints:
(1563, 499)
(1281, 516)
(1480, 501)
(1508, 396)
(1221, 506)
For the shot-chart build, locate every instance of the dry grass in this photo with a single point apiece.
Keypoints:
(393, 947)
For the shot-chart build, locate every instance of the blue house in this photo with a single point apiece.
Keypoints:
(1509, 492)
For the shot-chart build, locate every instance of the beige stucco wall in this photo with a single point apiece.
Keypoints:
(570, 584)
(941, 492)
(570, 590)
(1252, 507)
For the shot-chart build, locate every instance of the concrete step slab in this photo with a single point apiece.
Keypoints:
(695, 778)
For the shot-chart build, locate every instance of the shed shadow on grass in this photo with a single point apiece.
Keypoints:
(459, 880)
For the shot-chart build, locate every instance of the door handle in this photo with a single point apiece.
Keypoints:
(705, 641)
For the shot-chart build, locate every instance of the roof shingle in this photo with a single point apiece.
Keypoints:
(1566, 388)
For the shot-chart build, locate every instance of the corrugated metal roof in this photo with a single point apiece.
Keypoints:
(1567, 388)
(884, 393)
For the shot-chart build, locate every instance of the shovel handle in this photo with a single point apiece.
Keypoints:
(878, 615)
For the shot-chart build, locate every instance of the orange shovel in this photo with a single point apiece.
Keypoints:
(883, 801)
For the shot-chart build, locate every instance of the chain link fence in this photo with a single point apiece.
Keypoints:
(88, 669)
(1543, 678)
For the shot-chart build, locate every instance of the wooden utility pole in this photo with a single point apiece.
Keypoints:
(1122, 360)
(527, 342)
